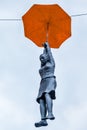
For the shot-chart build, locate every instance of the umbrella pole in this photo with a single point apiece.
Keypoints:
(47, 37)
(47, 32)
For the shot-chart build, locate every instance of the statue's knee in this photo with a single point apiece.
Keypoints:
(47, 95)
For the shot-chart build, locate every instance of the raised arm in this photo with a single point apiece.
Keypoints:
(47, 50)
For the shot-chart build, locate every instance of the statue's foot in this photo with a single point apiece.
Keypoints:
(50, 116)
(41, 123)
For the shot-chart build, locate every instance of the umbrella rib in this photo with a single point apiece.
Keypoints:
(56, 40)
(59, 29)
(35, 30)
(40, 12)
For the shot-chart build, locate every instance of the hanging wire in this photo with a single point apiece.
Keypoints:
(75, 15)
(10, 19)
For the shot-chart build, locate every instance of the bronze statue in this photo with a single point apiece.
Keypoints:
(47, 86)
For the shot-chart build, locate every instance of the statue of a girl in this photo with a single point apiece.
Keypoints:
(47, 86)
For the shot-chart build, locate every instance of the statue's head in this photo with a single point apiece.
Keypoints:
(44, 58)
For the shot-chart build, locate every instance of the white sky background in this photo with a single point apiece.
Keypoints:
(19, 64)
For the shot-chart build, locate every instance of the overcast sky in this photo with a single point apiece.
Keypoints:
(19, 65)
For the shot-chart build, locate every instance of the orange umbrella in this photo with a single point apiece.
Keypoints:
(47, 23)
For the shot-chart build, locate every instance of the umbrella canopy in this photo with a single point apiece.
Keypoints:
(47, 23)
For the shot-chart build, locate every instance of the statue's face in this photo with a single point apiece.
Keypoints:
(43, 58)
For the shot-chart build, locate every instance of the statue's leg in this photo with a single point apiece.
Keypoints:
(43, 109)
(43, 121)
(49, 103)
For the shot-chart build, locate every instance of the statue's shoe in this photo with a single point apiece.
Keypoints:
(51, 117)
(41, 123)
